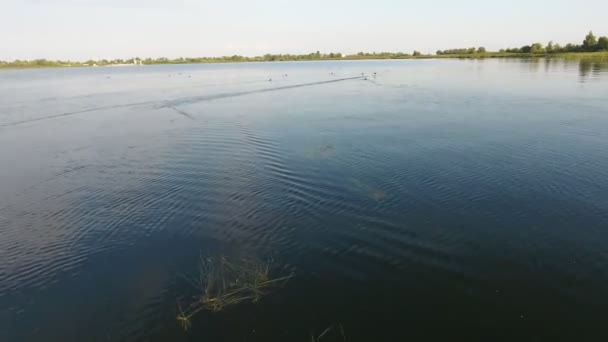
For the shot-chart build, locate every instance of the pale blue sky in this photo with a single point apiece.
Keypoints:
(81, 29)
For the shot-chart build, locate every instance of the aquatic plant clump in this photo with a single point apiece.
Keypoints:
(335, 329)
(223, 283)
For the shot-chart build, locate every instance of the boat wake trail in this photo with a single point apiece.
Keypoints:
(54, 116)
(181, 101)
(204, 98)
(181, 112)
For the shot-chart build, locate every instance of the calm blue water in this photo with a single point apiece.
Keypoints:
(437, 199)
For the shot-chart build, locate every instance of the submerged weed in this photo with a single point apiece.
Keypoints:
(372, 192)
(223, 283)
(336, 330)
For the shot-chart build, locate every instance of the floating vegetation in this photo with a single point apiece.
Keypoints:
(223, 283)
(321, 152)
(328, 147)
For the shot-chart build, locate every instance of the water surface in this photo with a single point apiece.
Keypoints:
(427, 199)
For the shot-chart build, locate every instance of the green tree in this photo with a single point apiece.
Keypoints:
(481, 49)
(417, 53)
(550, 47)
(537, 48)
(557, 48)
(590, 42)
(602, 43)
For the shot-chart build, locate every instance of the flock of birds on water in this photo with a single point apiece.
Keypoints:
(270, 79)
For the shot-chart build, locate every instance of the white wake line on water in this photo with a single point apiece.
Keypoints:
(177, 102)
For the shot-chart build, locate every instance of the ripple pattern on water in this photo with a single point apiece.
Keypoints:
(408, 197)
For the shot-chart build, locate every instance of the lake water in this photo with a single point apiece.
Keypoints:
(428, 199)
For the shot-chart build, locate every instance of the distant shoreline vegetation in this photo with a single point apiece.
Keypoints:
(591, 48)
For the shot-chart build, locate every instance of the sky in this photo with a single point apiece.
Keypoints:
(97, 29)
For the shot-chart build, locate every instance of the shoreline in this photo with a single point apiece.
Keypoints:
(599, 56)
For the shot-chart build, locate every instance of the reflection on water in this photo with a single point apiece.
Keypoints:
(465, 194)
(590, 69)
(533, 65)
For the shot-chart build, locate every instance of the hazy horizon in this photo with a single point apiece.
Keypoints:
(81, 30)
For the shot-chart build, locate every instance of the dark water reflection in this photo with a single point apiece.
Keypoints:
(590, 69)
(436, 200)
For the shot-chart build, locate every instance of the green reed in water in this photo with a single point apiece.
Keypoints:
(335, 329)
(223, 283)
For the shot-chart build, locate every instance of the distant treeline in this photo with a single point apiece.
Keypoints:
(590, 44)
(191, 60)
